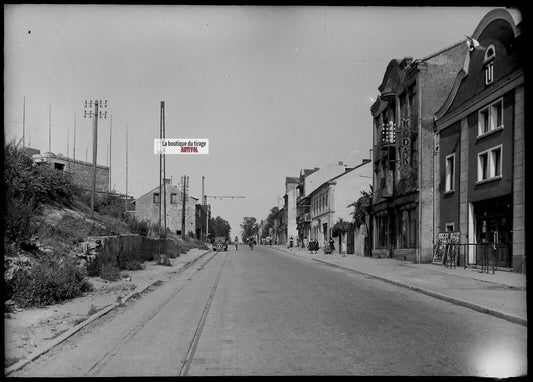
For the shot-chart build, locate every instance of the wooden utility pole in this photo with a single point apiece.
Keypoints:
(24, 123)
(163, 259)
(74, 144)
(184, 204)
(50, 129)
(110, 134)
(95, 115)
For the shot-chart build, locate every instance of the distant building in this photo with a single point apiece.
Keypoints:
(403, 119)
(280, 227)
(147, 208)
(308, 181)
(81, 172)
(480, 169)
(201, 221)
(303, 206)
(290, 207)
(329, 204)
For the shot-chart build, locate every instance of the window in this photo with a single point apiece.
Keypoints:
(489, 73)
(490, 118)
(407, 228)
(173, 198)
(382, 228)
(450, 173)
(489, 164)
(490, 54)
(450, 227)
(156, 197)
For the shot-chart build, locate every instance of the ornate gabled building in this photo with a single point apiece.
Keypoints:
(479, 132)
(403, 151)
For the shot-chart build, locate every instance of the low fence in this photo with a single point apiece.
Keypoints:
(487, 256)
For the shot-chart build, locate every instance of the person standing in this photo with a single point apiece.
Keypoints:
(291, 243)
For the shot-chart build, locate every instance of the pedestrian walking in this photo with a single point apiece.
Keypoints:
(291, 243)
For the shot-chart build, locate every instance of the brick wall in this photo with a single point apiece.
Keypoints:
(82, 174)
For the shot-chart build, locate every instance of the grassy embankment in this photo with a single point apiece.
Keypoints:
(46, 218)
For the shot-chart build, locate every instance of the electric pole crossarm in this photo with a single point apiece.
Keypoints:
(224, 196)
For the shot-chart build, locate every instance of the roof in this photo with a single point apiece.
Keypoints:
(292, 179)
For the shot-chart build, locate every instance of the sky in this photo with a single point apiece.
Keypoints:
(275, 89)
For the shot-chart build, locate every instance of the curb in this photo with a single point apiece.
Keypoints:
(453, 300)
(19, 365)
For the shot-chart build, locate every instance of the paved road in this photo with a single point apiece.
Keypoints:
(264, 312)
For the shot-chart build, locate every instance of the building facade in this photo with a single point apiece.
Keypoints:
(290, 207)
(403, 151)
(147, 208)
(280, 227)
(308, 181)
(329, 204)
(479, 132)
(303, 207)
(81, 172)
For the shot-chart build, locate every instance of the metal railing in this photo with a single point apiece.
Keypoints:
(486, 256)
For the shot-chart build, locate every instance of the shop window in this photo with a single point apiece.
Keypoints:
(490, 164)
(490, 118)
(450, 173)
(407, 228)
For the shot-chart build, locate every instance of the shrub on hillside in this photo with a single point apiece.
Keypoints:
(49, 281)
(109, 272)
(27, 186)
(139, 227)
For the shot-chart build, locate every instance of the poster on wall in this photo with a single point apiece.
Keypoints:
(451, 255)
(440, 249)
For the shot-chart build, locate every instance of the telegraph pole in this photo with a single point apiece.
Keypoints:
(24, 123)
(126, 168)
(50, 129)
(185, 192)
(95, 115)
(74, 145)
(163, 260)
(110, 133)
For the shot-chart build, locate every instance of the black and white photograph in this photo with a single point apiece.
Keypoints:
(264, 190)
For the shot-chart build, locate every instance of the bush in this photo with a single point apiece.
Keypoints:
(133, 265)
(109, 272)
(138, 227)
(18, 220)
(48, 282)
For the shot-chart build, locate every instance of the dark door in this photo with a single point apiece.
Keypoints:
(350, 242)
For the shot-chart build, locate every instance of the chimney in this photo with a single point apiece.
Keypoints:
(167, 181)
(317, 168)
(341, 163)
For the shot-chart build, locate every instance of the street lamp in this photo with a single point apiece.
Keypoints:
(89, 113)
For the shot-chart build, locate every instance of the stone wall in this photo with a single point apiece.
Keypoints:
(121, 249)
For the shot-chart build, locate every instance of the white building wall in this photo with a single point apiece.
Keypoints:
(317, 178)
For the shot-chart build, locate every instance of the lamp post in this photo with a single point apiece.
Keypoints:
(89, 113)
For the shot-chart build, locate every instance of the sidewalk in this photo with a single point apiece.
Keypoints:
(29, 333)
(502, 294)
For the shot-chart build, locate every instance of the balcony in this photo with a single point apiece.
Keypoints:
(304, 218)
(388, 136)
(386, 186)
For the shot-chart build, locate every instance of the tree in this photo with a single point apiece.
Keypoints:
(269, 221)
(219, 227)
(361, 207)
(249, 227)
